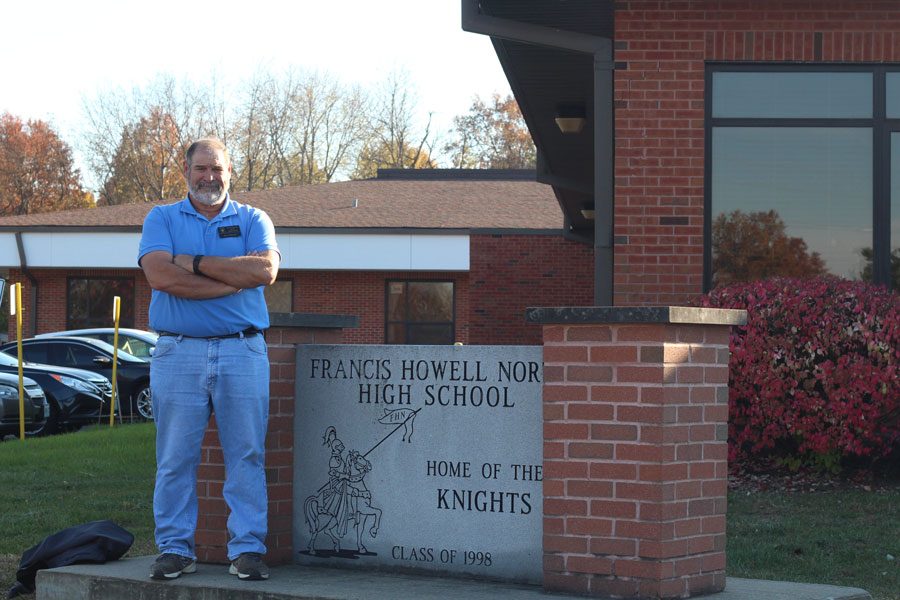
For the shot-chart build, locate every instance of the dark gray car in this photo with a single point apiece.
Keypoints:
(75, 397)
(36, 408)
(133, 374)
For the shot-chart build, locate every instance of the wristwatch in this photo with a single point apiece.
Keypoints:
(197, 260)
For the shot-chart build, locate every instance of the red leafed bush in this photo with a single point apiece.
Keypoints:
(815, 373)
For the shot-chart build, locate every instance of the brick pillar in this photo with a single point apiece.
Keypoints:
(635, 449)
(286, 332)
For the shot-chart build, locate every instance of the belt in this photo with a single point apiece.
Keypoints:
(245, 333)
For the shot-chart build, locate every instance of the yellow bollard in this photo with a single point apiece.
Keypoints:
(117, 306)
(15, 308)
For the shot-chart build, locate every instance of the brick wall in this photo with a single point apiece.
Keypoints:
(661, 49)
(509, 273)
(635, 459)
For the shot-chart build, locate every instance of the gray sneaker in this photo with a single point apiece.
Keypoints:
(170, 566)
(249, 566)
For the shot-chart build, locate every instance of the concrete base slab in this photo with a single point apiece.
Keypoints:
(129, 579)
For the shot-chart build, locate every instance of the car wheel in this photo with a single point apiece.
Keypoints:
(143, 404)
(51, 424)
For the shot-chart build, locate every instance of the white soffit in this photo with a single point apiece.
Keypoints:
(365, 252)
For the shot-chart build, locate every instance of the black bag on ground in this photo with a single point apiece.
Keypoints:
(95, 542)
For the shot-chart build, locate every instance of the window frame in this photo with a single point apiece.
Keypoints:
(880, 126)
(406, 322)
(123, 278)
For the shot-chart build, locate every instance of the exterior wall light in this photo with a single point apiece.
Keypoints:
(570, 119)
(570, 124)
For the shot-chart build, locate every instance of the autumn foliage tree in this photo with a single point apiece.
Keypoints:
(492, 135)
(753, 246)
(37, 173)
(134, 141)
(147, 165)
(287, 128)
(282, 128)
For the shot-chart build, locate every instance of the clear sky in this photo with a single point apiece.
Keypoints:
(57, 52)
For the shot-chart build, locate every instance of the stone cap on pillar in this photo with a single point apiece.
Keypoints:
(312, 320)
(687, 315)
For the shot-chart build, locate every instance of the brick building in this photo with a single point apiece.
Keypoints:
(698, 142)
(693, 143)
(419, 256)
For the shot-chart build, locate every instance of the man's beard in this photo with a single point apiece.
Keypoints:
(208, 194)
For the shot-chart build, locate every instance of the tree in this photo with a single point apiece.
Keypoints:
(752, 246)
(491, 136)
(148, 163)
(869, 256)
(134, 141)
(37, 173)
(282, 129)
(296, 128)
(394, 141)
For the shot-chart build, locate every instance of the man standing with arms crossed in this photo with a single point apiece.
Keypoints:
(207, 259)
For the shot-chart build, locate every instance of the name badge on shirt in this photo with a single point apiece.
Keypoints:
(230, 231)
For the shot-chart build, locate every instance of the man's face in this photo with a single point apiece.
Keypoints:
(208, 176)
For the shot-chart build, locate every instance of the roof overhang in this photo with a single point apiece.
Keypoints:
(558, 58)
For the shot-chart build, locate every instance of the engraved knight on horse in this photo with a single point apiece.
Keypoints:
(343, 499)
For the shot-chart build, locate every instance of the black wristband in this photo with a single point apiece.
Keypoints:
(197, 260)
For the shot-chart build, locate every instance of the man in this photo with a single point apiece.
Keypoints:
(207, 259)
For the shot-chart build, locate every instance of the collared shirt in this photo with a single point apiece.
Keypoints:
(237, 230)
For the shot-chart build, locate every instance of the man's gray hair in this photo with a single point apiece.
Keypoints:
(211, 143)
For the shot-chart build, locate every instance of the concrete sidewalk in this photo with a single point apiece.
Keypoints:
(128, 579)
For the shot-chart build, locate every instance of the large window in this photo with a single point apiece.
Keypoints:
(799, 164)
(419, 312)
(90, 302)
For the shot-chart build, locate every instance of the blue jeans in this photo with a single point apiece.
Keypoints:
(191, 378)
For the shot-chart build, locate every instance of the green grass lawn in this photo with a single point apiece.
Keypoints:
(48, 484)
(839, 537)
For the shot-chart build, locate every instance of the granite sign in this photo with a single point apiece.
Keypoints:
(420, 457)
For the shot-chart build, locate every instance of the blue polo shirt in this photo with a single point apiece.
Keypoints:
(237, 230)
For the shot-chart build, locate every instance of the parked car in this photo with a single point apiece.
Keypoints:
(136, 342)
(132, 373)
(75, 397)
(36, 408)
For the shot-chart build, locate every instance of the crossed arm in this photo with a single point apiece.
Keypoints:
(222, 276)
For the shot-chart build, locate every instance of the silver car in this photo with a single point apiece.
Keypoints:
(136, 342)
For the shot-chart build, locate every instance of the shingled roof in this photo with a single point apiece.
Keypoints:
(367, 204)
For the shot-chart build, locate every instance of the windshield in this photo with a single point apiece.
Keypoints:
(108, 348)
(135, 347)
(9, 361)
